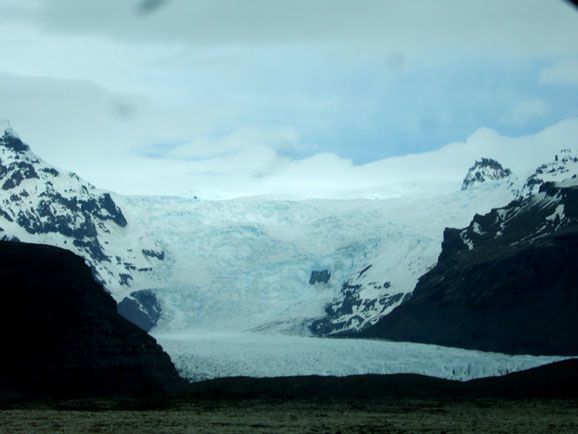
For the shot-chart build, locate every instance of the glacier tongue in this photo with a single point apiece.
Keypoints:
(200, 357)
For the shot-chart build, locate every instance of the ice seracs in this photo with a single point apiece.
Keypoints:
(283, 266)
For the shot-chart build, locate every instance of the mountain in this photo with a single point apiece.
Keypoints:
(62, 336)
(42, 204)
(484, 170)
(563, 167)
(508, 282)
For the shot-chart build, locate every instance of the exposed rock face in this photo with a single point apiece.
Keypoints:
(484, 170)
(141, 308)
(62, 336)
(508, 282)
(354, 311)
(41, 204)
(319, 276)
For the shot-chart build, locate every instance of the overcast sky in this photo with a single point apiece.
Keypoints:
(223, 98)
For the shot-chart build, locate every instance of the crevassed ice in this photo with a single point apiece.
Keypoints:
(245, 264)
(201, 357)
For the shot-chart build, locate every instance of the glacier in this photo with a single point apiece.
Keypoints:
(245, 265)
(235, 288)
(239, 300)
(205, 356)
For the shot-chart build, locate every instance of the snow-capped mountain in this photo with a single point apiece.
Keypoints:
(507, 282)
(564, 166)
(484, 170)
(42, 204)
(554, 208)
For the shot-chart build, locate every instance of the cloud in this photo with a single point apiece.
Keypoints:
(363, 82)
(446, 25)
(232, 98)
(280, 139)
(74, 125)
(263, 171)
(564, 72)
(525, 112)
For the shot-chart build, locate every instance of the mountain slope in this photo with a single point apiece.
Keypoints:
(508, 282)
(41, 204)
(62, 336)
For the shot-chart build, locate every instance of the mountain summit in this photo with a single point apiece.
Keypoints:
(42, 204)
(9, 139)
(484, 170)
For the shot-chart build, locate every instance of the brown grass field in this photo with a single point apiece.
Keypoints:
(259, 416)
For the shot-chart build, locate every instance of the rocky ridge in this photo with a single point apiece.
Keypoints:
(505, 283)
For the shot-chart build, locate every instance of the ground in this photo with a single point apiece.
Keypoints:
(256, 416)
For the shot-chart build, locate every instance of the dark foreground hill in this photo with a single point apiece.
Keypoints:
(61, 335)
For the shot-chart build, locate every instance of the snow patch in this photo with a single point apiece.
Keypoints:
(557, 215)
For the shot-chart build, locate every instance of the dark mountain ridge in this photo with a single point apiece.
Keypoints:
(507, 283)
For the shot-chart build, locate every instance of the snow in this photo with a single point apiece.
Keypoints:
(563, 169)
(557, 215)
(200, 357)
(477, 228)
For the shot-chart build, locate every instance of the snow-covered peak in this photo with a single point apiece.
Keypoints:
(41, 204)
(564, 168)
(484, 170)
(9, 139)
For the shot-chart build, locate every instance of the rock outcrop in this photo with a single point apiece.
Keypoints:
(484, 170)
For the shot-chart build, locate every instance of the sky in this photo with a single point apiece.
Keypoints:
(228, 98)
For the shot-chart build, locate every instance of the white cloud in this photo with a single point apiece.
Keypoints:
(564, 72)
(79, 126)
(525, 112)
(282, 139)
(507, 26)
(262, 171)
(225, 90)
